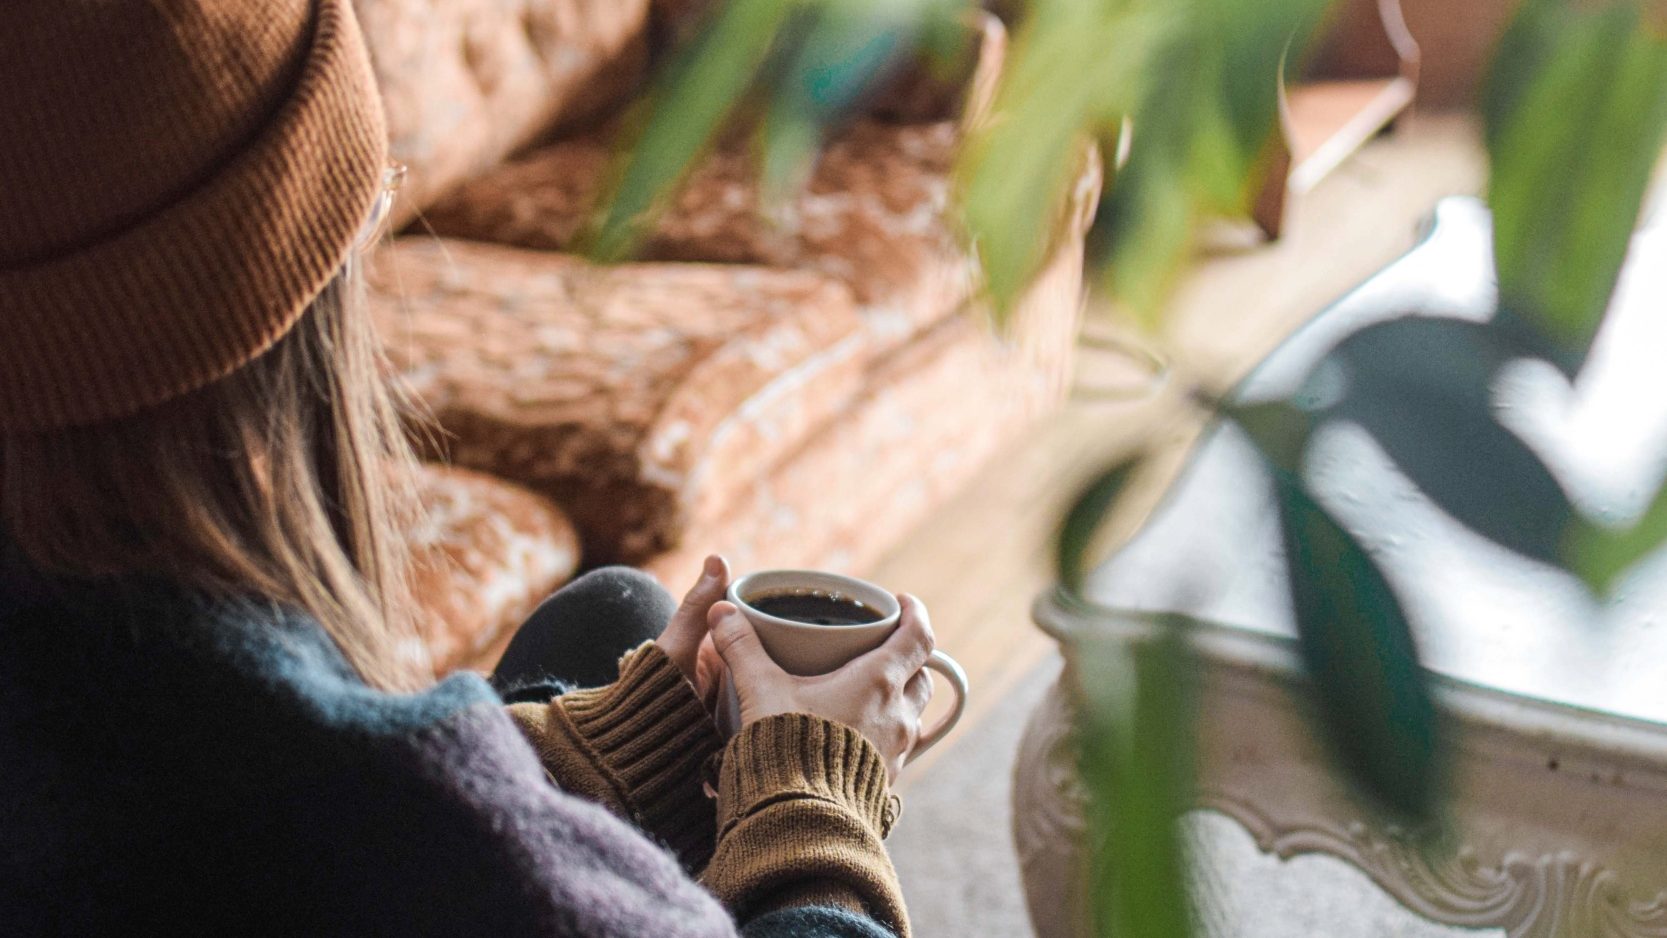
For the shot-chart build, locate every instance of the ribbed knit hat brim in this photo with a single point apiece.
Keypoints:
(203, 285)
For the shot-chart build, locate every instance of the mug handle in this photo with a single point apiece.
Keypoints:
(950, 669)
(728, 716)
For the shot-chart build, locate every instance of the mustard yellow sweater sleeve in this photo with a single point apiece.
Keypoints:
(638, 747)
(803, 803)
(803, 806)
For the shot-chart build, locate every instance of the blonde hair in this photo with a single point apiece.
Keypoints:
(289, 480)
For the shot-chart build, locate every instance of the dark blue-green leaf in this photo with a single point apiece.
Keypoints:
(1372, 699)
(1279, 430)
(1423, 387)
(1074, 543)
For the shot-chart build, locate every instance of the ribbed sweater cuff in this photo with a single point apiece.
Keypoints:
(650, 736)
(796, 755)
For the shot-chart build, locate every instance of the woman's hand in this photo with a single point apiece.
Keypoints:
(880, 694)
(685, 640)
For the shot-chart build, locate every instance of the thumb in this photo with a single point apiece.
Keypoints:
(737, 643)
(688, 623)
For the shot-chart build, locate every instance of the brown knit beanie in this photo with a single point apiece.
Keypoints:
(178, 180)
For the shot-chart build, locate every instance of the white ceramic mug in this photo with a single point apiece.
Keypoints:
(804, 648)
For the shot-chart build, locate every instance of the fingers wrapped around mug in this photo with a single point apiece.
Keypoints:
(909, 647)
(919, 691)
(738, 645)
(839, 648)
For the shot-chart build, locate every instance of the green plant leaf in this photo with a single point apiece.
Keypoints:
(1201, 129)
(841, 52)
(1373, 702)
(1177, 158)
(1074, 543)
(1601, 555)
(1135, 732)
(1200, 80)
(1576, 113)
(1075, 65)
(1423, 388)
(1147, 224)
(688, 105)
(1263, 39)
(943, 38)
(1279, 430)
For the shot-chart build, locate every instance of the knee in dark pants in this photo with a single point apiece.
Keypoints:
(579, 633)
(626, 596)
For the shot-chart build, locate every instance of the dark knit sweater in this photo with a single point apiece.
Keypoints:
(171, 765)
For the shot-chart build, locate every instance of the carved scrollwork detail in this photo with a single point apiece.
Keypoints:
(1049, 818)
(1554, 896)
(1560, 895)
(1047, 792)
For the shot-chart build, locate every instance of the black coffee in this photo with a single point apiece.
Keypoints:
(815, 608)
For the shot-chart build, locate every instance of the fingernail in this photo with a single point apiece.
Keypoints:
(714, 566)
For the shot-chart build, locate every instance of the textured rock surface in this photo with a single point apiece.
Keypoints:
(466, 82)
(931, 414)
(623, 392)
(487, 553)
(687, 407)
(874, 215)
(930, 419)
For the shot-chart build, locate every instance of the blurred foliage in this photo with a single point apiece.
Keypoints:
(1422, 386)
(1575, 115)
(804, 63)
(1355, 641)
(1088, 61)
(692, 98)
(1601, 555)
(1374, 705)
(1138, 782)
(1176, 73)
(834, 54)
(1575, 112)
(1081, 526)
(1202, 125)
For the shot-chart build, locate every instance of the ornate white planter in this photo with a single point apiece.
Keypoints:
(1561, 813)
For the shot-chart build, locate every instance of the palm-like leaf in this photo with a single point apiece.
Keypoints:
(1576, 112)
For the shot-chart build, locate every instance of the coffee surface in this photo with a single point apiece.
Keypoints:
(815, 608)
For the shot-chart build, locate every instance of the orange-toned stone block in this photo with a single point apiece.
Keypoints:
(874, 216)
(486, 554)
(932, 412)
(467, 82)
(621, 392)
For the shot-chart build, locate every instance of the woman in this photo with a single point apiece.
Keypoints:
(205, 722)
